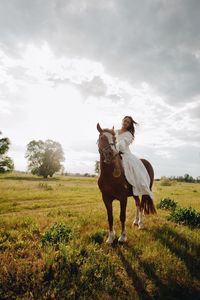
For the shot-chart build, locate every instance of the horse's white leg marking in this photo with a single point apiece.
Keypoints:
(111, 237)
(122, 237)
(140, 223)
(136, 220)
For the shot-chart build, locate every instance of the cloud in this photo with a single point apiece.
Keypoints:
(4, 108)
(95, 87)
(150, 41)
(168, 161)
(194, 112)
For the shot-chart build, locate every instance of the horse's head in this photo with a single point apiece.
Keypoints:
(106, 144)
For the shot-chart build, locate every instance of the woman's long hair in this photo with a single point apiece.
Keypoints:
(131, 128)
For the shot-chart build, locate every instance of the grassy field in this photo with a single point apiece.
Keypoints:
(72, 261)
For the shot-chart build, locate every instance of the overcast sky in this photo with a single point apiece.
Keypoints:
(66, 65)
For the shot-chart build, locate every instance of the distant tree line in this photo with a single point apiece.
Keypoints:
(45, 159)
(79, 174)
(185, 178)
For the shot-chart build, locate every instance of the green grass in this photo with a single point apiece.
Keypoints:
(160, 262)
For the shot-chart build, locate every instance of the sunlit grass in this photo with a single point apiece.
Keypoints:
(160, 262)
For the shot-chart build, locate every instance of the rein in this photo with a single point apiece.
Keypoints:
(104, 151)
(107, 147)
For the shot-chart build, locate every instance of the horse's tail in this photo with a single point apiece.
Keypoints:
(147, 202)
(150, 171)
(148, 205)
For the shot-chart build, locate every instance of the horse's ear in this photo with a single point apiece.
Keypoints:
(113, 130)
(99, 128)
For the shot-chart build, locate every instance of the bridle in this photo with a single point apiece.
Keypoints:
(107, 150)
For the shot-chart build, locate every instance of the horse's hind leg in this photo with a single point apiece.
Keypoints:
(123, 204)
(137, 210)
(138, 221)
(108, 204)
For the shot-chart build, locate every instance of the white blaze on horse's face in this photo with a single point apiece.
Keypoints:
(110, 139)
(110, 150)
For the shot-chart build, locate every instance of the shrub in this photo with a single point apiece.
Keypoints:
(58, 233)
(164, 181)
(167, 203)
(187, 216)
(98, 236)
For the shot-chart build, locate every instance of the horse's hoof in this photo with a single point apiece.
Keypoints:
(141, 226)
(111, 238)
(122, 238)
(109, 241)
(135, 224)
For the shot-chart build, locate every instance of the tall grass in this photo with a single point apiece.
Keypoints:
(52, 243)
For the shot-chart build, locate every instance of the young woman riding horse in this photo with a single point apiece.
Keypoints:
(123, 175)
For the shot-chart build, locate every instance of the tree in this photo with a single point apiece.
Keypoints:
(6, 163)
(188, 178)
(44, 158)
(198, 179)
(97, 167)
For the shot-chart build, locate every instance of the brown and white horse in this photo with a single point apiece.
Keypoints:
(113, 184)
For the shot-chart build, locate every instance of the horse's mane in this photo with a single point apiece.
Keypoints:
(110, 131)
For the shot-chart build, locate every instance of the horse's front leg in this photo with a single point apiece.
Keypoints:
(123, 203)
(109, 208)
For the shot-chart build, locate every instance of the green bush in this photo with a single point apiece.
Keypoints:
(187, 216)
(167, 203)
(98, 236)
(58, 233)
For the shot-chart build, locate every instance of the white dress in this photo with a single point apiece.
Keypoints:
(135, 172)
